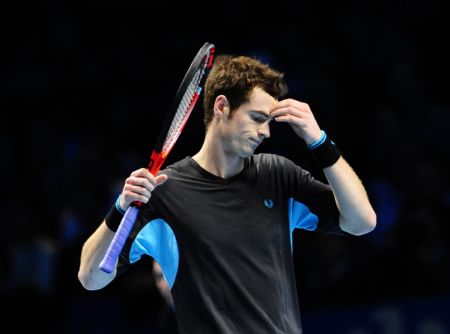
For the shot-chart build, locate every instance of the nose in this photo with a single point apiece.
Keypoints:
(264, 130)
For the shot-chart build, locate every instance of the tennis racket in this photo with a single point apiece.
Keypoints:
(183, 104)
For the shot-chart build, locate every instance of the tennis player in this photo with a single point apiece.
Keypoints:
(220, 223)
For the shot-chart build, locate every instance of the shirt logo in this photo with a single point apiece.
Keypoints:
(268, 203)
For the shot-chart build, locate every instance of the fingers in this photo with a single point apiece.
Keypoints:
(294, 112)
(288, 109)
(160, 179)
(299, 116)
(141, 172)
(139, 186)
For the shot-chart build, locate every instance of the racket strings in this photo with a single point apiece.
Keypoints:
(184, 109)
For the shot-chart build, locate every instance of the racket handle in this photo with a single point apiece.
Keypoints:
(115, 247)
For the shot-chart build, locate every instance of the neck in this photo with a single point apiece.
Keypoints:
(213, 158)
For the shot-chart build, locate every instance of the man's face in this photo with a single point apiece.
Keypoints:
(248, 125)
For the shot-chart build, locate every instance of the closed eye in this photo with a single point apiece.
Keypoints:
(259, 117)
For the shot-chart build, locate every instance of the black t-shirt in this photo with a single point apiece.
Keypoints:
(225, 245)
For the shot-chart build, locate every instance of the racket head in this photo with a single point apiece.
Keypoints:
(183, 103)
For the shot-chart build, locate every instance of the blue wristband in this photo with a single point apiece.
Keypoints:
(319, 142)
(118, 207)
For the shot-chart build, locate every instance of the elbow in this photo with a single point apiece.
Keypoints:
(370, 222)
(86, 282)
(366, 227)
(361, 226)
(95, 279)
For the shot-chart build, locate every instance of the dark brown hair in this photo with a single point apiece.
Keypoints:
(236, 77)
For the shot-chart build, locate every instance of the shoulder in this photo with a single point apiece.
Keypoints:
(268, 160)
(180, 167)
(274, 164)
(183, 171)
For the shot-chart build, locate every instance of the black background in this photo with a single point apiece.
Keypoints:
(86, 86)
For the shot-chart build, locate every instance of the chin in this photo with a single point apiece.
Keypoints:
(246, 153)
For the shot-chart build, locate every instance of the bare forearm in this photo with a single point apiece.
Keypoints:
(92, 253)
(356, 213)
(138, 187)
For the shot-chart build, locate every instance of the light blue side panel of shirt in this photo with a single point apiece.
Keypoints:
(157, 240)
(300, 217)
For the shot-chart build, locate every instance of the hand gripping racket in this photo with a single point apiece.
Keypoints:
(183, 104)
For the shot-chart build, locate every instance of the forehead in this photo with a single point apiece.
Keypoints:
(261, 100)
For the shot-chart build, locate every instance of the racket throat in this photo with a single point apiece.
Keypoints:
(156, 161)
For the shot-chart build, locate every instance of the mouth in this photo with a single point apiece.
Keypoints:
(256, 142)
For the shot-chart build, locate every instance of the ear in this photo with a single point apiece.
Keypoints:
(220, 106)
